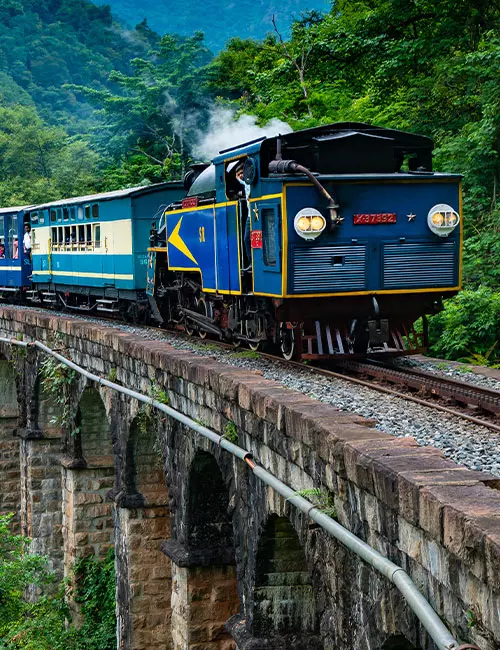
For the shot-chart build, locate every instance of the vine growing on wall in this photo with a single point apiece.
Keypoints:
(95, 591)
(45, 623)
(150, 414)
(57, 381)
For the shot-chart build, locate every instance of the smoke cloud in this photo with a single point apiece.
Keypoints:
(224, 132)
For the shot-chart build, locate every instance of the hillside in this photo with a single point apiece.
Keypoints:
(45, 44)
(219, 21)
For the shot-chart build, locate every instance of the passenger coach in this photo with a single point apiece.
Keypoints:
(15, 263)
(90, 252)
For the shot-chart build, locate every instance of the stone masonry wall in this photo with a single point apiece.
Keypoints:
(440, 522)
(10, 493)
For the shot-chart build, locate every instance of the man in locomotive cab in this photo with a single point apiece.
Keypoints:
(236, 188)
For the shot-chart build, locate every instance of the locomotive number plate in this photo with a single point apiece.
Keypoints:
(382, 217)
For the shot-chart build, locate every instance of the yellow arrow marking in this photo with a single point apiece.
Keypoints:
(176, 240)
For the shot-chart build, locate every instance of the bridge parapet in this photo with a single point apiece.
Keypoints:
(235, 556)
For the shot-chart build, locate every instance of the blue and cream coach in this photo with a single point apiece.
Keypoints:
(90, 252)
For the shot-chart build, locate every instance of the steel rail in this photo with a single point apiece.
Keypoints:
(466, 393)
(418, 604)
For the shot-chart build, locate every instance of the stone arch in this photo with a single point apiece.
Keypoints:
(93, 428)
(398, 642)
(9, 407)
(142, 524)
(283, 596)
(10, 494)
(144, 474)
(47, 412)
(208, 523)
(204, 581)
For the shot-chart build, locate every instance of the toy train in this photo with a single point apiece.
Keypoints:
(327, 242)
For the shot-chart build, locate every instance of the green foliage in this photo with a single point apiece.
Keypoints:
(57, 380)
(468, 326)
(478, 359)
(40, 163)
(96, 594)
(231, 432)
(152, 122)
(322, 499)
(43, 621)
(46, 44)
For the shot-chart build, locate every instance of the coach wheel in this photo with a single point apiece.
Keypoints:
(189, 326)
(287, 342)
(204, 308)
(254, 329)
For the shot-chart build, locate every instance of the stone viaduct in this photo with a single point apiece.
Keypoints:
(207, 557)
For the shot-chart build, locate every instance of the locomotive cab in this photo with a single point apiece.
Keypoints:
(332, 241)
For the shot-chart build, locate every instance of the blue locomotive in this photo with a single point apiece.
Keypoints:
(326, 242)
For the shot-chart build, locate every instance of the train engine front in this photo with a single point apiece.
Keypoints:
(328, 242)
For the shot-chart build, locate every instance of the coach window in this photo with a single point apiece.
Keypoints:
(41, 216)
(67, 237)
(65, 212)
(34, 218)
(88, 238)
(97, 236)
(95, 211)
(53, 216)
(61, 236)
(53, 237)
(80, 212)
(81, 235)
(87, 212)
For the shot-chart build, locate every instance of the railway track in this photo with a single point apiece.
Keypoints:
(463, 393)
(461, 399)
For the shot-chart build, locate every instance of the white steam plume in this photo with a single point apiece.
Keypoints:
(224, 132)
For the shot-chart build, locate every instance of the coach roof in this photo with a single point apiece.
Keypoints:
(109, 196)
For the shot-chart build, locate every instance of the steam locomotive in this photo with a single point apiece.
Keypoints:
(326, 243)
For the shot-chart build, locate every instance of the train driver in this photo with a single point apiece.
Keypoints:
(238, 189)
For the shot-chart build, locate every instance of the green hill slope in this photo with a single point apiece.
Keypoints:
(45, 44)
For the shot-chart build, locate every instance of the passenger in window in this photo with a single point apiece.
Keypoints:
(27, 240)
(153, 235)
(2, 251)
(15, 254)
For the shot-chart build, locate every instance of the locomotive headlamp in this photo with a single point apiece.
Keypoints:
(442, 219)
(309, 223)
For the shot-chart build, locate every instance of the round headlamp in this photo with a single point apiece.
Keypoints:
(309, 223)
(442, 219)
